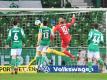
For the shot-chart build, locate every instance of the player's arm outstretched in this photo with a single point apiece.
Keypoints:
(72, 21)
(52, 36)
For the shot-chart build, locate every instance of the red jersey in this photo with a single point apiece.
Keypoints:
(63, 29)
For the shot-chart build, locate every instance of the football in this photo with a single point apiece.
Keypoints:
(37, 22)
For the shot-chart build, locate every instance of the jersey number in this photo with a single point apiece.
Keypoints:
(96, 39)
(46, 35)
(15, 37)
(64, 29)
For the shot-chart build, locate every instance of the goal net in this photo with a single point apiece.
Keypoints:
(79, 31)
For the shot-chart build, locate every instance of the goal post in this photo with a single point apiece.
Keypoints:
(53, 9)
(27, 16)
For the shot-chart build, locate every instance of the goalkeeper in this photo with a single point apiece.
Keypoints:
(63, 29)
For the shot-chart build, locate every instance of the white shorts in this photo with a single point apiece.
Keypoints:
(93, 54)
(16, 52)
(42, 48)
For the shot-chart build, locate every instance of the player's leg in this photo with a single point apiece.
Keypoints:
(44, 58)
(38, 56)
(100, 61)
(38, 59)
(89, 64)
(64, 49)
(13, 60)
(18, 57)
(55, 52)
(19, 51)
(43, 53)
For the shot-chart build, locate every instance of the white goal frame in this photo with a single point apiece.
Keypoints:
(53, 9)
(59, 9)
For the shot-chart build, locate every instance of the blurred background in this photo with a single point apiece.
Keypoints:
(52, 3)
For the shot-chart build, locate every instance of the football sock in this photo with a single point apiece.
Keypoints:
(55, 52)
(43, 59)
(37, 60)
(90, 66)
(47, 60)
(13, 63)
(17, 61)
(101, 62)
(102, 65)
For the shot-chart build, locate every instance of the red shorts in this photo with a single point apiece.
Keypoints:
(65, 42)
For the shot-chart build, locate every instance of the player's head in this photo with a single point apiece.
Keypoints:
(95, 26)
(61, 20)
(64, 20)
(45, 23)
(15, 23)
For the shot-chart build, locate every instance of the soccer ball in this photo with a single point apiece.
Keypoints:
(37, 22)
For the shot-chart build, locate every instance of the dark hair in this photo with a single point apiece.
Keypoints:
(45, 23)
(95, 25)
(15, 22)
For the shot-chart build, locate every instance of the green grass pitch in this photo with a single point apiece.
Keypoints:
(55, 76)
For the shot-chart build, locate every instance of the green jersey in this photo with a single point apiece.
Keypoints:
(16, 36)
(94, 39)
(46, 33)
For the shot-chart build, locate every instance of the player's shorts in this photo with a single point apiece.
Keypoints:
(93, 54)
(65, 43)
(16, 52)
(42, 48)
